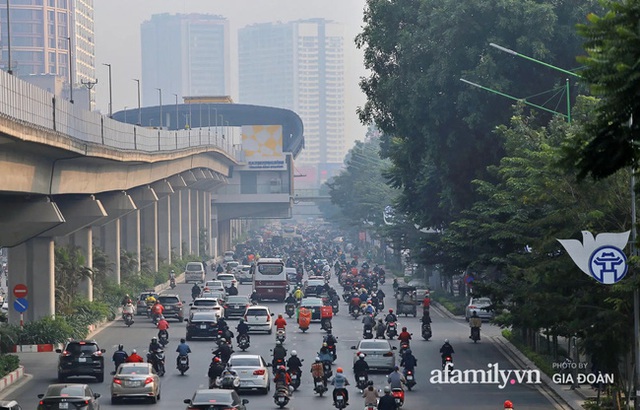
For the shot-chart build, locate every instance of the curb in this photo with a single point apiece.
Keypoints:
(41, 348)
(11, 378)
(444, 310)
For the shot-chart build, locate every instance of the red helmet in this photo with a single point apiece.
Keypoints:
(216, 359)
(508, 404)
(390, 310)
(281, 367)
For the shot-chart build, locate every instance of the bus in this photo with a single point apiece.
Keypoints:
(270, 279)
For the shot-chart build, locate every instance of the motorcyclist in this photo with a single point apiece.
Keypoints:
(163, 326)
(183, 349)
(224, 351)
(195, 291)
(290, 300)
(361, 366)
(446, 350)
(368, 321)
(325, 354)
(119, 356)
(354, 303)
(331, 341)
(254, 297)
(409, 361)
(380, 328)
(391, 317)
(222, 324)
(475, 322)
(172, 275)
(157, 309)
(404, 336)
(233, 290)
(154, 345)
(279, 353)
(340, 384)
(381, 295)
(396, 379)
(298, 294)
(134, 357)
(127, 309)
(242, 329)
(280, 323)
(282, 377)
(387, 402)
(370, 395)
(369, 309)
(150, 301)
(508, 405)
(126, 300)
(294, 363)
(215, 371)
(317, 371)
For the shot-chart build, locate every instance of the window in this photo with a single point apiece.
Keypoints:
(257, 312)
(270, 268)
(245, 361)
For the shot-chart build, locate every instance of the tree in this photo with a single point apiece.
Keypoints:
(612, 43)
(70, 270)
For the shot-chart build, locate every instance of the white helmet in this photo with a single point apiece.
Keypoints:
(446, 340)
(294, 353)
(361, 355)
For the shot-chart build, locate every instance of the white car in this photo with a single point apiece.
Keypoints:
(207, 304)
(213, 285)
(243, 273)
(253, 371)
(227, 280)
(259, 319)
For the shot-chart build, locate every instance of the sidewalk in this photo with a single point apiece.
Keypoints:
(561, 394)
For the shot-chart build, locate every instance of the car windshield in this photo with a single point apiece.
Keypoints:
(81, 349)
(66, 390)
(206, 302)
(315, 283)
(257, 312)
(213, 397)
(225, 277)
(312, 302)
(204, 316)
(194, 267)
(238, 299)
(482, 301)
(134, 369)
(374, 345)
(270, 268)
(168, 300)
(245, 361)
(213, 284)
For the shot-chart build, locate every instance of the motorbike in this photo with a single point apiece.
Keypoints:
(281, 396)
(229, 381)
(328, 373)
(403, 348)
(183, 364)
(243, 342)
(448, 363)
(326, 325)
(281, 335)
(319, 386)
(332, 349)
(346, 296)
(367, 333)
(398, 394)
(163, 338)
(361, 380)
(295, 375)
(172, 283)
(411, 380)
(426, 331)
(335, 305)
(356, 312)
(475, 334)
(340, 401)
(392, 330)
(128, 319)
(290, 309)
(277, 363)
(157, 360)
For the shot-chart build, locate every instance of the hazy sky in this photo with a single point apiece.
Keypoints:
(117, 39)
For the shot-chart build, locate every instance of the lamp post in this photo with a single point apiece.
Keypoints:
(177, 126)
(110, 94)
(9, 70)
(160, 98)
(139, 109)
(70, 73)
(125, 114)
(89, 84)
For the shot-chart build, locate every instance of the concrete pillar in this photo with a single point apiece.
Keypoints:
(41, 277)
(176, 223)
(202, 218)
(224, 236)
(83, 239)
(164, 229)
(130, 234)
(186, 220)
(149, 231)
(195, 222)
(209, 222)
(17, 268)
(110, 243)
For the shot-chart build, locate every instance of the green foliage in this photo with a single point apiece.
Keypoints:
(454, 304)
(8, 363)
(542, 362)
(47, 330)
(70, 271)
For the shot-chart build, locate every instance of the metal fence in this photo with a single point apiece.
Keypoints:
(31, 105)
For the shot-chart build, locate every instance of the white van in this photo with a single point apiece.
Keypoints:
(194, 272)
(228, 256)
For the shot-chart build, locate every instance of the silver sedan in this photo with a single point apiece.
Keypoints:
(379, 354)
(135, 380)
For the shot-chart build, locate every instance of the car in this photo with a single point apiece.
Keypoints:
(202, 324)
(207, 399)
(480, 306)
(9, 405)
(253, 371)
(81, 358)
(314, 305)
(230, 266)
(141, 302)
(228, 256)
(135, 380)
(194, 272)
(172, 306)
(292, 274)
(213, 285)
(258, 319)
(312, 285)
(72, 396)
(211, 304)
(379, 354)
(236, 306)
(227, 280)
(219, 295)
(243, 273)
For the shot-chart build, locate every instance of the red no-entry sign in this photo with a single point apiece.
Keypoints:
(20, 290)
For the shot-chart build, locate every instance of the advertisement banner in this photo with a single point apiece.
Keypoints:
(262, 146)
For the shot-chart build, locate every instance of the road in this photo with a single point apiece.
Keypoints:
(426, 395)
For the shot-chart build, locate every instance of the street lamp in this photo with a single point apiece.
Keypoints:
(160, 97)
(9, 70)
(125, 114)
(110, 94)
(139, 110)
(177, 125)
(70, 73)
(89, 84)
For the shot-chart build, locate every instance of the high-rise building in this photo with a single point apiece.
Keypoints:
(41, 32)
(184, 54)
(299, 66)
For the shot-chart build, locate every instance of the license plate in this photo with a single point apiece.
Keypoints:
(203, 326)
(409, 377)
(63, 405)
(280, 399)
(294, 376)
(81, 360)
(132, 383)
(271, 291)
(361, 378)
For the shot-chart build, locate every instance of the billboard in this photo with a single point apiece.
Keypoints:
(262, 146)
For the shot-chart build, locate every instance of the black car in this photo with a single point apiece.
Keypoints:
(69, 396)
(81, 358)
(236, 306)
(172, 306)
(314, 305)
(202, 324)
(223, 399)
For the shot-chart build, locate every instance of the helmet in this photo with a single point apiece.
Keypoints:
(318, 359)
(404, 329)
(278, 343)
(216, 359)
(154, 339)
(182, 340)
(324, 344)
(508, 404)
(396, 368)
(408, 351)
(294, 353)
(446, 340)
(280, 316)
(339, 370)
(120, 347)
(387, 389)
(361, 355)
(134, 351)
(328, 331)
(370, 383)
(241, 320)
(281, 367)
(390, 310)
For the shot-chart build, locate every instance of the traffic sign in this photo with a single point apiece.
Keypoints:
(20, 305)
(468, 279)
(20, 290)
